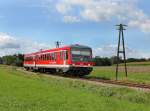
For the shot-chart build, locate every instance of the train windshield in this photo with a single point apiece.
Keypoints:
(81, 55)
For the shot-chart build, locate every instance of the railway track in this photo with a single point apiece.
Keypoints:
(113, 82)
(121, 83)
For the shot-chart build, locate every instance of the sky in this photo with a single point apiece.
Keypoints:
(30, 25)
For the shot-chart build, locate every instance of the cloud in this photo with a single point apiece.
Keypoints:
(111, 50)
(11, 45)
(62, 8)
(144, 24)
(104, 10)
(8, 42)
(70, 19)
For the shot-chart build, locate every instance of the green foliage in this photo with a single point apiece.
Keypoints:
(105, 61)
(1, 60)
(140, 74)
(9, 60)
(114, 60)
(136, 60)
(16, 60)
(102, 61)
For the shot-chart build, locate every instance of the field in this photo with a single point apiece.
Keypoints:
(137, 72)
(25, 91)
(146, 63)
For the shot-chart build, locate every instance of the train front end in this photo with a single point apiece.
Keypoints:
(81, 60)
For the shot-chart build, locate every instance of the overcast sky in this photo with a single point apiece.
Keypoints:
(31, 25)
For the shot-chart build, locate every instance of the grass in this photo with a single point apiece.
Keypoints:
(140, 74)
(146, 63)
(20, 91)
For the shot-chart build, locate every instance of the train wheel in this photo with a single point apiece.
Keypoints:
(26, 68)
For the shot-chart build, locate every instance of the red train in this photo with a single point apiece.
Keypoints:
(73, 59)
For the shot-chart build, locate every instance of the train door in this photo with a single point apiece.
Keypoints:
(65, 57)
(36, 60)
(33, 61)
(61, 57)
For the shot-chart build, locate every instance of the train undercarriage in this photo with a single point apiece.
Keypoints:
(70, 71)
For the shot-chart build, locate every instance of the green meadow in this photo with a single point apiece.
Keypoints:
(138, 72)
(26, 91)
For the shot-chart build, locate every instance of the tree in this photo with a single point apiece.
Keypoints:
(1, 60)
(114, 60)
(102, 61)
(19, 60)
(8, 60)
(16, 60)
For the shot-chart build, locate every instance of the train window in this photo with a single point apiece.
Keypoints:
(39, 57)
(48, 56)
(29, 58)
(53, 56)
(45, 57)
(66, 55)
(61, 55)
(42, 57)
(36, 57)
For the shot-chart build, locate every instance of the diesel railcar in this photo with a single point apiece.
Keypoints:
(74, 59)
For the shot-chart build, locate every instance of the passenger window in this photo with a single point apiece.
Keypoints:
(61, 55)
(42, 57)
(39, 57)
(48, 56)
(53, 56)
(45, 57)
(66, 55)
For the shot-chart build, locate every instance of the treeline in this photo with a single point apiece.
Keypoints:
(105, 61)
(15, 60)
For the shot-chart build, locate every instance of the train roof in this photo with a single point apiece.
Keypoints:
(69, 46)
(79, 46)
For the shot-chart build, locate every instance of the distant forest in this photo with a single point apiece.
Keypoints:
(105, 61)
(17, 60)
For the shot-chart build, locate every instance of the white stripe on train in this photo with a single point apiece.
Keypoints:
(54, 66)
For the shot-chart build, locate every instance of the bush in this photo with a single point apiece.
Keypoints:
(102, 61)
(16, 60)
